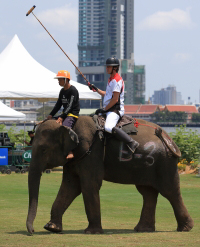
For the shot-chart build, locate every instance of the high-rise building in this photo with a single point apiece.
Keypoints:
(172, 94)
(105, 29)
(167, 96)
(139, 86)
(179, 100)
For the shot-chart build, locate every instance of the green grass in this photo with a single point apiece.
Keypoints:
(120, 206)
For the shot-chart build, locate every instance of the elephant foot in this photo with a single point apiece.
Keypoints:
(90, 230)
(52, 227)
(141, 228)
(186, 227)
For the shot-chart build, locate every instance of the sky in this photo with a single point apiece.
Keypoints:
(166, 39)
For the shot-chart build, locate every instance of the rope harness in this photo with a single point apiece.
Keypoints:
(136, 124)
(158, 131)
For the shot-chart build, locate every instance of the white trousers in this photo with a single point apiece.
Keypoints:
(111, 121)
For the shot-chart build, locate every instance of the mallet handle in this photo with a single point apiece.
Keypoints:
(28, 13)
(31, 11)
(62, 50)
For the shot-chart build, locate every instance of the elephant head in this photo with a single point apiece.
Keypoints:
(51, 145)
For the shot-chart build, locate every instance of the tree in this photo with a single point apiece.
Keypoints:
(2, 127)
(166, 116)
(196, 117)
(16, 137)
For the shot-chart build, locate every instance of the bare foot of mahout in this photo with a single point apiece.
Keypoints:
(70, 156)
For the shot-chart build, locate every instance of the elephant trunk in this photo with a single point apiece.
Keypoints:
(33, 185)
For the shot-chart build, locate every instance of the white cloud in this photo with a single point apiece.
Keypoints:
(182, 57)
(168, 20)
(64, 18)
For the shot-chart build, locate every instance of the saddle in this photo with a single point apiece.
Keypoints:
(126, 123)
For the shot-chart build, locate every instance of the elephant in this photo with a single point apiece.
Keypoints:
(152, 169)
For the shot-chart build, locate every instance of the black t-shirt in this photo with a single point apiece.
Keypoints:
(69, 99)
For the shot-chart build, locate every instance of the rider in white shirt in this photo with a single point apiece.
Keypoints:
(113, 104)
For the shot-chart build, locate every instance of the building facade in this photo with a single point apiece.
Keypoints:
(138, 86)
(9, 103)
(179, 100)
(106, 28)
(167, 96)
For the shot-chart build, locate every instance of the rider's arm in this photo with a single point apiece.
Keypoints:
(57, 106)
(113, 101)
(101, 92)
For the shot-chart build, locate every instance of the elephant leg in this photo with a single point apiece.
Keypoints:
(69, 190)
(185, 222)
(173, 194)
(92, 208)
(147, 218)
(90, 192)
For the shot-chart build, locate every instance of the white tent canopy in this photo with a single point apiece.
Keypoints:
(22, 77)
(9, 114)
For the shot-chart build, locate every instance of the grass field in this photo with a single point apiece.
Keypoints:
(120, 206)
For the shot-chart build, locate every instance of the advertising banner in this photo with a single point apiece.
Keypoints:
(27, 155)
(3, 156)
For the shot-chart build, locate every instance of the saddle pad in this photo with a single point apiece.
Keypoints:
(130, 128)
(126, 123)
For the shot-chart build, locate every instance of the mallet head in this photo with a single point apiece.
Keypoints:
(28, 13)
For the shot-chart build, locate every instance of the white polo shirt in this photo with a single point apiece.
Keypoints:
(115, 84)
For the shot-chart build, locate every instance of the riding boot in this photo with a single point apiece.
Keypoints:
(122, 136)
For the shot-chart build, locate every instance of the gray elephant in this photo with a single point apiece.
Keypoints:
(152, 168)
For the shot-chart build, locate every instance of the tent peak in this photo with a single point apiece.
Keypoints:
(14, 45)
(15, 38)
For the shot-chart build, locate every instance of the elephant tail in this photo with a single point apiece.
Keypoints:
(170, 144)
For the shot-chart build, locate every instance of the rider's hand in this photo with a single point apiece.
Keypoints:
(49, 117)
(59, 120)
(92, 87)
(101, 110)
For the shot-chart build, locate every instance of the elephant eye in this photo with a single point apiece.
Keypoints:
(44, 150)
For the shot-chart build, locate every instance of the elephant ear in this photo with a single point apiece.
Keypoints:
(69, 139)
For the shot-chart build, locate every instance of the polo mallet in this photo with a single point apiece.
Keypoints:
(31, 11)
